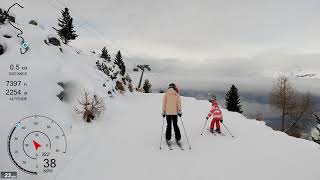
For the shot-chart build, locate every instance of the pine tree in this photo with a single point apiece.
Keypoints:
(66, 32)
(119, 62)
(119, 87)
(233, 100)
(105, 55)
(147, 86)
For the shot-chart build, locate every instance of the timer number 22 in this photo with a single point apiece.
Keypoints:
(50, 163)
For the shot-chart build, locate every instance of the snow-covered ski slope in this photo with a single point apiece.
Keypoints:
(126, 146)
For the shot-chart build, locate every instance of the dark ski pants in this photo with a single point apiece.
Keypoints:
(172, 119)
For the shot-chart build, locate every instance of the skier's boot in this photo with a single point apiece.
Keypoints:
(218, 131)
(211, 130)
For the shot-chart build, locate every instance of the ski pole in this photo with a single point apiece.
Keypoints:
(161, 133)
(204, 127)
(227, 129)
(185, 132)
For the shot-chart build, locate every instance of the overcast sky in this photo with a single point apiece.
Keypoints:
(198, 43)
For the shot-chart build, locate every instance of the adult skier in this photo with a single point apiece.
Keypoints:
(171, 109)
(217, 115)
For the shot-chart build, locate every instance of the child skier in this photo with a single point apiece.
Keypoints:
(217, 115)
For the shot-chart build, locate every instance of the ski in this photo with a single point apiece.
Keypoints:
(180, 145)
(215, 133)
(212, 132)
(221, 134)
(169, 145)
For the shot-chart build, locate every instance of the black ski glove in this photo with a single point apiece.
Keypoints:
(163, 114)
(179, 113)
(221, 120)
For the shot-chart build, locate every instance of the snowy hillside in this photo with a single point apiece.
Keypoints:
(124, 142)
(45, 71)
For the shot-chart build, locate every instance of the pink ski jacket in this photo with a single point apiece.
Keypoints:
(215, 111)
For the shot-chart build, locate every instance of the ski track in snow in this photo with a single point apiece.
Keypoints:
(126, 146)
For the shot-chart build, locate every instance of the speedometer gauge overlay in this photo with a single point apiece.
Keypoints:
(36, 143)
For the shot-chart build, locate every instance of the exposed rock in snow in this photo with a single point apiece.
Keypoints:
(33, 22)
(7, 36)
(1, 49)
(61, 94)
(54, 41)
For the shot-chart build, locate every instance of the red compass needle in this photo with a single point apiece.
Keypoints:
(36, 145)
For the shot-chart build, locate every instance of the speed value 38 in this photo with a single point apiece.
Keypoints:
(36, 144)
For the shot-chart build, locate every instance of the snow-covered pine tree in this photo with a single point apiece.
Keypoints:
(128, 79)
(115, 70)
(99, 66)
(3, 16)
(120, 87)
(130, 87)
(147, 86)
(105, 55)
(233, 100)
(66, 31)
(119, 62)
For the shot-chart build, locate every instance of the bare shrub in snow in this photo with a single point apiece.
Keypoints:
(296, 108)
(90, 107)
(302, 113)
(282, 97)
(295, 132)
